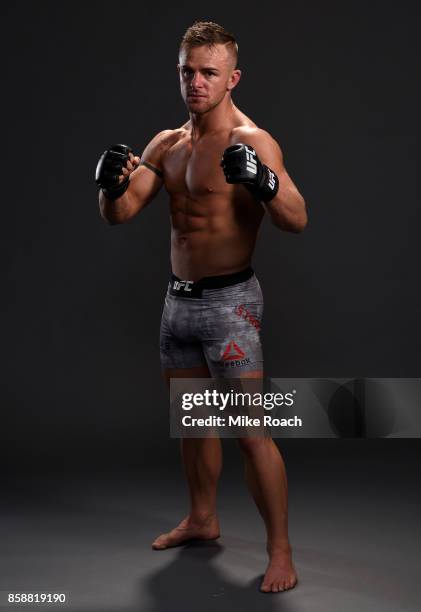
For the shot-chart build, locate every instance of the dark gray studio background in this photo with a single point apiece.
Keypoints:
(337, 84)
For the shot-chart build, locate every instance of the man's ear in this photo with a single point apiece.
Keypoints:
(234, 79)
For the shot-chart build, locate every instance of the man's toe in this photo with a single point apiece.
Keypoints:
(159, 543)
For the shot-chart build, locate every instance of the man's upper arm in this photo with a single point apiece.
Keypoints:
(147, 179)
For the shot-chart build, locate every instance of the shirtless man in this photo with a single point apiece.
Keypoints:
(213, 308)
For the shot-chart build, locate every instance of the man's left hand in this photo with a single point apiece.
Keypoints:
(241, 164)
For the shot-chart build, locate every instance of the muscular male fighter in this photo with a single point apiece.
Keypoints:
(213, 308)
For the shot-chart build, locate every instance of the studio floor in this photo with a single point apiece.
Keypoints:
(354, 528)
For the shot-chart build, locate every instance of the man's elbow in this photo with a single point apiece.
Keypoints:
(109, 221)
(295, 223)
(107, 216)
(294, 227)
(300, 223)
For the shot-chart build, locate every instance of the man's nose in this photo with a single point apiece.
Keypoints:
(197, 80)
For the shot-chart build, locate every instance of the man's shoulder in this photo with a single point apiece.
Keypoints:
(161, 142)
(167, 138)
(250, 134)
(266, 147)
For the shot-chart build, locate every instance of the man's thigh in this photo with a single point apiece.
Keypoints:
(253, 374)
(202, 372)
(195, 372)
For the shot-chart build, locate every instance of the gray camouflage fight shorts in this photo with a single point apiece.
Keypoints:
(215, 321)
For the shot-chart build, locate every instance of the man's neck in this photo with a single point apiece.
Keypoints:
(217, 119)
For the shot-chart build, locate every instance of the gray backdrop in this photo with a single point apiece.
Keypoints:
(335, 83)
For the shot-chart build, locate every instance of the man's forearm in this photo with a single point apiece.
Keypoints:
(288, 211)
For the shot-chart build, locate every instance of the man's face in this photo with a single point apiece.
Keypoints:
(206, 73)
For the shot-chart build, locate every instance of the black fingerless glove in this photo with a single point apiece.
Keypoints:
(241, 164)
(108, 169)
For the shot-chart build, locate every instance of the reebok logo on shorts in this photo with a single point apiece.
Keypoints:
(232, 351)
(233, 356)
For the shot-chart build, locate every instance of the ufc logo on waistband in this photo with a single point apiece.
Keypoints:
(185, 285)
(251, 160)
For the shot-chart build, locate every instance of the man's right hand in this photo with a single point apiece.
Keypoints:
(113, 170)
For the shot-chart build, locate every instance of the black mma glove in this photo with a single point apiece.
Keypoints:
(108, 169)
(241, 165)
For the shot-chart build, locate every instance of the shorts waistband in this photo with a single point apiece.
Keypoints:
(193, 289)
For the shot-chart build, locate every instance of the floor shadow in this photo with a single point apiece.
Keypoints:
(193, 582)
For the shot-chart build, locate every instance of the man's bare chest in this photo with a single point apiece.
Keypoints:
(195, 169)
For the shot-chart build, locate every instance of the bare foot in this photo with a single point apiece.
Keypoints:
(280, 574)
(188, 530)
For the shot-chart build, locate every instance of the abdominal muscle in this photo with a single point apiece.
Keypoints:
(208, 238)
